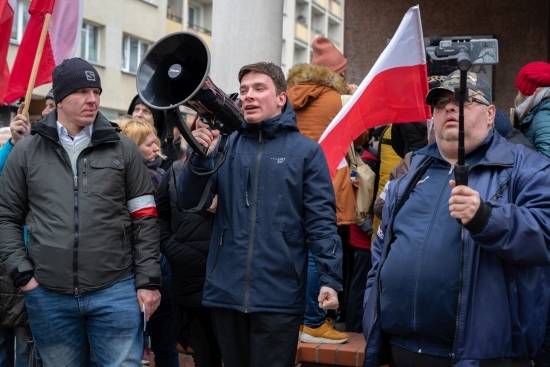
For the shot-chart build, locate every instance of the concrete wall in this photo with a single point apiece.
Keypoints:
(522, 31)
(245, 32)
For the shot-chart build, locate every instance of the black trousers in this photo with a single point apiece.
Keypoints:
(256, 339)
(194, 328)
(361, 267)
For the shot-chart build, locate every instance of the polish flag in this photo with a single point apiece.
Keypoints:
(393, 91)
(6, 20)
(142, 206)
(61, 43)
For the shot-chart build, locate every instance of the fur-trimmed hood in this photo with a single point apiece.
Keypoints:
(309, 73)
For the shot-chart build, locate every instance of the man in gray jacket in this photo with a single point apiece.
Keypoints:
(92, 258)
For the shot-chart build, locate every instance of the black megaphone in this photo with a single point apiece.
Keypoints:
(174, 72)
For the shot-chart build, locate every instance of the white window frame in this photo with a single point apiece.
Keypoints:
(88, 28)
(126, 57)
(21, 11)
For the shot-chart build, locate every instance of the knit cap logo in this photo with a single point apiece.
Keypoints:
(90, 75)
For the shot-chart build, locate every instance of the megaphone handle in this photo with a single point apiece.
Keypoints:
(187, 135)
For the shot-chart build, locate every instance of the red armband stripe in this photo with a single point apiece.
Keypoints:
(145, 212)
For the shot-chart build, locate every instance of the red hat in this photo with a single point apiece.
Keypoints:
(327, 55)
(533, 75)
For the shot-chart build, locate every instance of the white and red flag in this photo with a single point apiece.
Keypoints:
(61, 41)
(6, 20)
(393, 91)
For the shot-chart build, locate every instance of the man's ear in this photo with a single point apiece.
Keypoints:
(281, 99)
(491, 114)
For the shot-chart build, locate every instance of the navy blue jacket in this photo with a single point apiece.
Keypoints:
(275, 201)
(503, 281)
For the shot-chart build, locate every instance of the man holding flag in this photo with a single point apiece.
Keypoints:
(460, 273)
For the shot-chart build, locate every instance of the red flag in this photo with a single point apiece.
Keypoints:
(393, 91)
(6, 20)
(61, 43)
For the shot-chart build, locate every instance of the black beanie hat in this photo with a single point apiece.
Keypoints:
(50, 95)
(72, 75)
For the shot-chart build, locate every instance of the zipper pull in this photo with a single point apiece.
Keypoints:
(75, 182)
(451, 170)
(260, 137)
(76, 292)
(221, 238)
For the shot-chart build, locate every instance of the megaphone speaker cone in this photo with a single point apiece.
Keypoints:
(173, 70)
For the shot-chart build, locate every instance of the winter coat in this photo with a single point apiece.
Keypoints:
(275, 201)
(315, 95)
(408, 137)
(184, 241)
(5, 151)
(503, 282)
(536, 123)
(13, 312)
(81, 235)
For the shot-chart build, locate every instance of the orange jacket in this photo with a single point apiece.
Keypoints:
(315, 95)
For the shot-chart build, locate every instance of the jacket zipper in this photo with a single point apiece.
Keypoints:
(76, 220)
(500, 190)
(75, 248)
(75, 195)
(253, 221)
(218, 251)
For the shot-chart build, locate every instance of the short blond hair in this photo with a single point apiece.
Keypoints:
(138, 130)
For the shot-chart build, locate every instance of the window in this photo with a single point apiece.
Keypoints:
(194, 14)
(20, 20)
(133, 51)
(89, 43)
(196, 18)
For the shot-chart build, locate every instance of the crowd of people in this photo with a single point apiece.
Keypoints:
(116, 240)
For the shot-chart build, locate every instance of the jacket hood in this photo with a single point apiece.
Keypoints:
(537, 106)
(270, 127)
(158, 116)
(103, 130)
(306, 81)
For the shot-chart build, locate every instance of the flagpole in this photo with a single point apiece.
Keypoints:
(36, 64)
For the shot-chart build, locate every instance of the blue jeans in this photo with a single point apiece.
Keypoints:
(110, 317)
(14, 346)
(314, 316)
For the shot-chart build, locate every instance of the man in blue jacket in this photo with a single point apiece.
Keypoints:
(275, 201)
(460, 273)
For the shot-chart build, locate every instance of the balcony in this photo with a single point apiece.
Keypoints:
(335, 8)
(321, 3)
(199, 29)
(300, 32)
